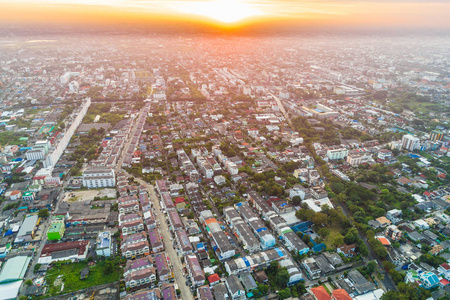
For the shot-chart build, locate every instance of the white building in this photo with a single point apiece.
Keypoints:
(297, 190)
(104, 244)
(98, 178)
(52, 158)
(35, 154)
(355, 159)
(410, 142)
(334, 154)
(232, 168)
(74, 86)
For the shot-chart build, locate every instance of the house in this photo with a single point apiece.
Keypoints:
(297, 190)
(429, 280)
(195, 270)
(347, 250)
(235, 288)
(340, 294)
(383, 221)
(248, 282)
(394, 215)
(361, 284)
(261, 276)
(220, 179)
(444, 270)
(320, 293)
(205, 293)
(213, 279)
(421, 224)
(312, 268)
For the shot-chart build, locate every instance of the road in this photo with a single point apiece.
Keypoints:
(30, 272)
(280, 105)
(387, 282)
(177, 266)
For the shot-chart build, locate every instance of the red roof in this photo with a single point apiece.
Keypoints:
(213, 278)
(445, 266)
(383, 240)
(178, 200)
(50, 248)
(321, 293)
(341, 294)
(444, 281)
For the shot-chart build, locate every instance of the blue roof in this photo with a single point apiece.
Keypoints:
(280, 253)
(247, 263)
(431, 278)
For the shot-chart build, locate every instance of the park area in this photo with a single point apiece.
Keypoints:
(64, 278)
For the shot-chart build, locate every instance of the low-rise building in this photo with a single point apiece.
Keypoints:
(98, 178)
(235, 288)
(195, 270)
(104, 245)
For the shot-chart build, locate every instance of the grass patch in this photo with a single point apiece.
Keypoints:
(98, 274)
(328, 241)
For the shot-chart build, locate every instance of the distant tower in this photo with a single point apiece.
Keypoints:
(436, 135)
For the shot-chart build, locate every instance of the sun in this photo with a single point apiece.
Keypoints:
(224, 11)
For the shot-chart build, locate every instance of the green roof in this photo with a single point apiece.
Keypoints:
(14, 269)
(55, 227)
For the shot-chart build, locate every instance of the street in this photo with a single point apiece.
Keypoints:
(177, 266)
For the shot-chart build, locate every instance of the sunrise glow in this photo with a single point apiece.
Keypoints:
(225, 11)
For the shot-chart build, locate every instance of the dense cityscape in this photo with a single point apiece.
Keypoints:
(225, 167)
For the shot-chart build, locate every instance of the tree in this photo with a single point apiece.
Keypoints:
(337, 239)
(43, 213)
(305, 214)
(320, 219)
(282, 277)
(388, 265)
(371, 266)
(301, 289)
(296, 200)
(283, 294)
(109, 267)
(262, 290)
(28, 282)
(363, 249)
(37, 267)
(352, 236)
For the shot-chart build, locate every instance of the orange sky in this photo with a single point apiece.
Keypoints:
(353, 13)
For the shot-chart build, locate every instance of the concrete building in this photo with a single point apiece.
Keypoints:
(56, 229)
(52, 158)
(195, 270)
(235, 288)
(12, 275)
(99, 178)
(335, 154)
(77, 250)
(104, 245)
(241, 229)
(27, 229)
(410, 142)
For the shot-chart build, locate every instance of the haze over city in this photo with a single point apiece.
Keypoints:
(224, 149)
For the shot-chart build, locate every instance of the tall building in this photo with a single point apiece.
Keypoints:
(436, 135)
(410, 142)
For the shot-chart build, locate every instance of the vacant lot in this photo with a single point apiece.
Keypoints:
(98, 274)
(90, 195)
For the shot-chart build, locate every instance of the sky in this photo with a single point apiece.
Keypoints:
(233, 14)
